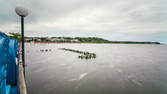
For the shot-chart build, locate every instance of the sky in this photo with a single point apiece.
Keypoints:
(118, 20)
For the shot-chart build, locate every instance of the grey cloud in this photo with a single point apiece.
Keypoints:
(81, 17)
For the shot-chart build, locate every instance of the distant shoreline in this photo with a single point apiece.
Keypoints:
(78, 40)
(87, 43)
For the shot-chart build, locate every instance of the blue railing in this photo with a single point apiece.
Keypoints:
(8, 66)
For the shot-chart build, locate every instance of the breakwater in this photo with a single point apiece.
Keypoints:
(83, 54)
(45, 50)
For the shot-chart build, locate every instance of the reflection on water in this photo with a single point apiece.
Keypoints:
(119, 69)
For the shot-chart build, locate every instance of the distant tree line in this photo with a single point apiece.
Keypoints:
(17, 36)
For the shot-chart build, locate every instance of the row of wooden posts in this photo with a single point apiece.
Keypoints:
(84, 55)
(45, 50)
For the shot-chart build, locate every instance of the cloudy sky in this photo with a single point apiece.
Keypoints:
(129, 20)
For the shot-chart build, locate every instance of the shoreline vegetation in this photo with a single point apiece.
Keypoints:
(73, 40)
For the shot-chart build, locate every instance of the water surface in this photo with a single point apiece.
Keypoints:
(117, 69)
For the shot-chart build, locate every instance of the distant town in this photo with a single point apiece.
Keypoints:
(73, 40)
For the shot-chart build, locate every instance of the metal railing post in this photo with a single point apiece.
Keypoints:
(22, 39)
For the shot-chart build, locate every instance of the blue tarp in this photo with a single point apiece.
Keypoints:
(8, 67)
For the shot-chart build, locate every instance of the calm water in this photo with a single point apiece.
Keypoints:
(118, 69)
